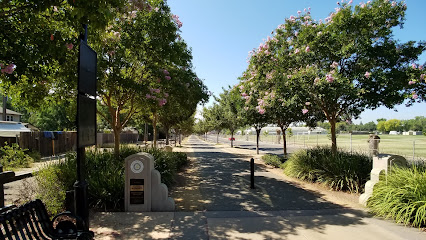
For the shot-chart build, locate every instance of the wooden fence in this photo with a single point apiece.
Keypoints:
(45, 145)
(107, 139)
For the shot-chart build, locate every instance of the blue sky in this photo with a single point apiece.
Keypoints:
(222, 32)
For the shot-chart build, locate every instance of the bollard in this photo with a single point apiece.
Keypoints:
(252, 173)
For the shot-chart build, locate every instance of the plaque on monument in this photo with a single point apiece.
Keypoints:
(136, 191)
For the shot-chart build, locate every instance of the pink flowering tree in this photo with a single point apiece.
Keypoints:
(40, 38)
(136, 74)
(348, 62)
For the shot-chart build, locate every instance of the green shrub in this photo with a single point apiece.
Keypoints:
(342, 171)
(50, 189)
(273, 160)
(401, 195)
(105, 176)
(12, 156)
(35, 155)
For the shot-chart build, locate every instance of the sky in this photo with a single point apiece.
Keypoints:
(222, 32)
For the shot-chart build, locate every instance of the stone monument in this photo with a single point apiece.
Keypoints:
(143, 191)
(381, 162)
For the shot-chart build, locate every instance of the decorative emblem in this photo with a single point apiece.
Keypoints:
(136, 166)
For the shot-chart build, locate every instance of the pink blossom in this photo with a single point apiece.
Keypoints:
(420, 67)
(299, 12)
(411, 82)
(307, 103)
(393, 4)
(111, 53)
(367, 74)
(304, 111)
(156, 9)
(288, 76)
(296, 33)
(261, 111)
(415, 96)
(166, 72)
(167, 77)
(8, 69)
(329, 78)
(148, 96)
(334, 64)
(55, 8)
(162, 102)
(157, 90)
(69, 46)
(246, 108)
(422, 76)
(244, 94)
(414, 66)
(350, 2)
(296, 51)
(307, 49)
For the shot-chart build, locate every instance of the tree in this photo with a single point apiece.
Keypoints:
(392, 125)
(381, 126)
(231, 103)
(135, 53)
(350, 62)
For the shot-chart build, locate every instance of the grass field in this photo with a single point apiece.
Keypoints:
(407, 146)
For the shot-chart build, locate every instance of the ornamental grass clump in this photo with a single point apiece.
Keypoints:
(401, 195)
(273, 160)
(342, 171)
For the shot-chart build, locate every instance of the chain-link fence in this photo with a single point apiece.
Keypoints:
(412, 147)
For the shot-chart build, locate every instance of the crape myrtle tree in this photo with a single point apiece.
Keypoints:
(254, 113)
(231, 104)
(350, 62)
(214, 118)
(182, 100)
(267, 84)
(134, 52)
(38, 50)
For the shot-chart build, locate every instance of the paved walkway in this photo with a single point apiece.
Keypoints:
(214, 201)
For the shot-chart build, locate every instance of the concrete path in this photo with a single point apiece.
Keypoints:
(214, 201)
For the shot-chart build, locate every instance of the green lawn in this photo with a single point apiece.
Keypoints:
(392, 144)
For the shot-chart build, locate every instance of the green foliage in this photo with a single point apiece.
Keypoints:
(105, 176)
(168, 164)
(12, 156)
(401, 195)
(273, 160)
(342, 171)
(51, 190)
(35, 155)
(393, 125)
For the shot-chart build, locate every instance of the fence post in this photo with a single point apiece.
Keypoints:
(252, 173)
(1, 190)
(414, 149)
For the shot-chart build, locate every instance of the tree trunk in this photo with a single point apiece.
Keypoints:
(145, 135)
(167, 135)
(154, 125)
(116, 142)
(257, 140)
(333, 136)
(217, 137)
(180, 138)
(176, 133)
(232, 139)
(283, 129)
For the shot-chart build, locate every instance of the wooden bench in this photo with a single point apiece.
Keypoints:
(31, 221)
